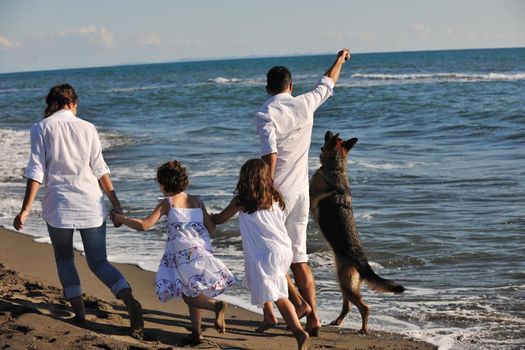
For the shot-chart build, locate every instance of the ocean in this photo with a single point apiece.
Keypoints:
(438, 174)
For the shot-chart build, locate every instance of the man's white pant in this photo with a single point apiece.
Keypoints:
(296, 213)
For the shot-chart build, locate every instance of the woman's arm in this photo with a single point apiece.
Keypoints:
(32, 187)
(226, 213)
(142, 224)
(107, 187)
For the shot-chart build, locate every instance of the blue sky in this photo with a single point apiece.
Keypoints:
(54, 34)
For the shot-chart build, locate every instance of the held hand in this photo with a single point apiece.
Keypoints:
(344, 53)
(19, 220)
(114, 217)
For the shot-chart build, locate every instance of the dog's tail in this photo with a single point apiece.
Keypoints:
(377, 283)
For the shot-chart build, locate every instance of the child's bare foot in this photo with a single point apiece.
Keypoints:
(192, 339)
(267, 324)
(303, 310)
(302, 339)
(220, 309)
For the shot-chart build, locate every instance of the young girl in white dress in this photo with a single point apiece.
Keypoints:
(265, 242)
(188, 269)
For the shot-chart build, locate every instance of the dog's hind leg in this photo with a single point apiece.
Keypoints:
(350, 282)
(364, 310)
(345, 282)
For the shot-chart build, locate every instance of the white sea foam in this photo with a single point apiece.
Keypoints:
(233, 80)
(222, 80)
(385, 166)
(2, 91)
(13, 159)
(110, 139)
(443, 76)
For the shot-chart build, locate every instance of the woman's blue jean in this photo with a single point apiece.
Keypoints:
(94, 240)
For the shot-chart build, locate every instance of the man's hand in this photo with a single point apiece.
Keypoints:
(334, 71)
(19, 220)
(344, 53)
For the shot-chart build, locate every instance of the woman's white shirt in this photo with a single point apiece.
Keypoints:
(66, 155)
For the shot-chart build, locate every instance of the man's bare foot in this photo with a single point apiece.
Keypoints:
(302, 339)
(220, 309)
(313, 325)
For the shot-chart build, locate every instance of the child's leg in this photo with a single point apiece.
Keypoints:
(269, 319)
(288, 312)
(196, 320)
(196, 334)
(204, 302)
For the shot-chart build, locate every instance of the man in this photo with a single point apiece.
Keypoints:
(284, 123)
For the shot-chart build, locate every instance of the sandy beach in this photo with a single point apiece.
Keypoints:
(34, 314)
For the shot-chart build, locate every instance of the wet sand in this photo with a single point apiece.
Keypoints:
(34, 314)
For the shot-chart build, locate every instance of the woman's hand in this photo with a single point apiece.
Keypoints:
(114, 216)
(19, 220)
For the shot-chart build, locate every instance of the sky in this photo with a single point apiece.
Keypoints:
(55, 34)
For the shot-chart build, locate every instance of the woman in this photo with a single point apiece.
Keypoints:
(66, 153)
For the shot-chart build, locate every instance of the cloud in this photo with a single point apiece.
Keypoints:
(421, 31)
(5, 43)
(151, 39)
(95, 35)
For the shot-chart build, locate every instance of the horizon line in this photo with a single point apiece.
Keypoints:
(226, 58)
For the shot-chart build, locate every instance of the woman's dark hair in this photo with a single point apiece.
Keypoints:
(255, 187)
(172, 176)
(58, 97)
(278, 78)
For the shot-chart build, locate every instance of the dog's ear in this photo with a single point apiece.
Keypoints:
(328, 135)
(331, 142)
(349, 143)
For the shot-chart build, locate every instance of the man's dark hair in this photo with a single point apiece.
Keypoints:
(278, 79)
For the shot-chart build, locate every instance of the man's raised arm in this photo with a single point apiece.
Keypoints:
(334, 71)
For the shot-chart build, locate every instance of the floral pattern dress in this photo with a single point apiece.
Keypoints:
(188, 265)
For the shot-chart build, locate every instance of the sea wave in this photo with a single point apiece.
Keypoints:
(443, 76)
(13, 163)
(234, 80)
(385, 166)
(142, 88)
(222, 80)
(10, 90)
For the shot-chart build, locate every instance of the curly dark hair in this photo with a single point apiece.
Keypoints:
(255, 187)
(172, 176)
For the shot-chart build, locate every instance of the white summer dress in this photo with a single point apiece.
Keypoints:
(188, 266)
(267, 254)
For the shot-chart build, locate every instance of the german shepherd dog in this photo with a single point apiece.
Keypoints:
(331, 206)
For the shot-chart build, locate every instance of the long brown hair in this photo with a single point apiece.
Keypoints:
(58, 97)
(255, 187)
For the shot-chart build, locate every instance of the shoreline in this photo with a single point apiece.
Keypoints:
(165, 323)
